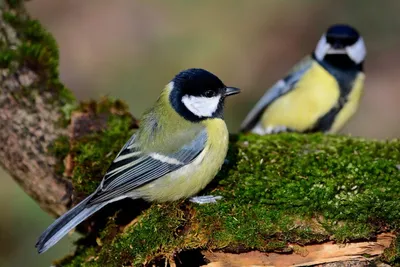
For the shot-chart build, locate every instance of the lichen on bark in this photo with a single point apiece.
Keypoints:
(32, 102)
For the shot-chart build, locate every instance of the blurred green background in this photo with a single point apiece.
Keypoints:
(131, 49)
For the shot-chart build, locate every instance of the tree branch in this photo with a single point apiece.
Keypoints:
(31, 109)
(38, 115)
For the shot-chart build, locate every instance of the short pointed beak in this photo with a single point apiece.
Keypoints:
(231, 91)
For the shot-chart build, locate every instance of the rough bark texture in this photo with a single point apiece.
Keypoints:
(30, 122)
(28, 129)
(36, 119)
(327, 254)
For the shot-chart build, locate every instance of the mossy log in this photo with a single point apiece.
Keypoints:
(288, 199)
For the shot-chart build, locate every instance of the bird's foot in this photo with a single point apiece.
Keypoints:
(205, 199)
(278, 129)
(275, 129)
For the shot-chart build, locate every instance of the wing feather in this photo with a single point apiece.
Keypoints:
(133, 168)
(280, 88)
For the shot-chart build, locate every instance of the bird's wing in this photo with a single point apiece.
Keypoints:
(280, 88)
(133, 168)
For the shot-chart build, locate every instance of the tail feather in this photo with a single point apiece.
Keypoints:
(66, 223)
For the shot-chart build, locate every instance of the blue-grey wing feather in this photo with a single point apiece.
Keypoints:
(140, 168)
(280, 88)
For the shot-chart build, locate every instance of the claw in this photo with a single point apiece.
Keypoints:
(205, 199)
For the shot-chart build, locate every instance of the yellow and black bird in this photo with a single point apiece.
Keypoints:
(179, 148)
(320, 94)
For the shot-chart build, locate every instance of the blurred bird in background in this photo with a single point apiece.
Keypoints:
(322, 91)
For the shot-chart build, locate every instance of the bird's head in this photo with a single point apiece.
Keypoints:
(197, 94)
(341, 46)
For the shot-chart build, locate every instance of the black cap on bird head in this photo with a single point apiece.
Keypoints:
(342, 46)
(340, 36)
(197, 94)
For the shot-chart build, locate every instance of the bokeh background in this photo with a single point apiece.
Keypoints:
(130, 49)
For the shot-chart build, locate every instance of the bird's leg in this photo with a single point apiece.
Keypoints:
(279, 129)
(205, 199)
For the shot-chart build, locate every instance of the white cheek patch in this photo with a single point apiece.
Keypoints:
(357, 51)
(322, 48)
(201, 106)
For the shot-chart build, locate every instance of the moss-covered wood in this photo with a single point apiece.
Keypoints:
(34, 107)
(277, 190)
(39, 116)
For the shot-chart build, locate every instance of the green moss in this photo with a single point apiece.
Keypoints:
(83, 258)
(392, 254)
(156, 228)
(277, 189)
(60, 149)
(7, 57)
(105, 105)
(93, 153)
(14, 3)
(37, 50)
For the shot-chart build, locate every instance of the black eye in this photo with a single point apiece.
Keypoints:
(209, 93)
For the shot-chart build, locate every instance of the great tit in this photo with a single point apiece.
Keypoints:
(178, 149)
(321, 92)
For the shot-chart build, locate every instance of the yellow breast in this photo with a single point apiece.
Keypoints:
(351, 105)
(190, 179)
(315, 94)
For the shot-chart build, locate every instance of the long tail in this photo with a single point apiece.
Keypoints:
(65, 223)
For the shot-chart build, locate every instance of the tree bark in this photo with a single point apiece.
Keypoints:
(30, 113)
